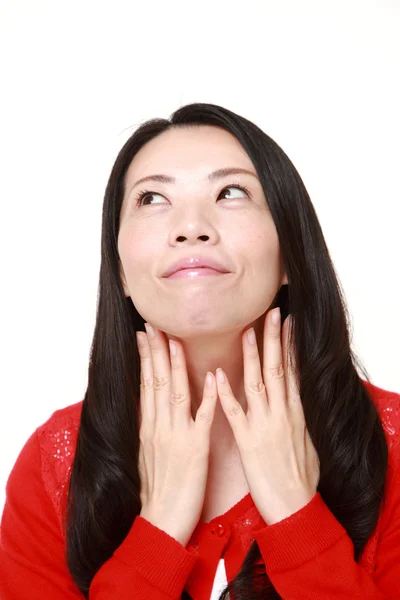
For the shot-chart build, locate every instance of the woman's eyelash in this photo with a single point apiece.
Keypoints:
(142, 193)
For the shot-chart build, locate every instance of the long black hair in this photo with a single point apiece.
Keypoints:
(341, 417)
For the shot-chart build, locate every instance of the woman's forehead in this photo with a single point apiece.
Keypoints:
(183, 153)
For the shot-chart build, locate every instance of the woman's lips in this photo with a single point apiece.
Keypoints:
(195, 273)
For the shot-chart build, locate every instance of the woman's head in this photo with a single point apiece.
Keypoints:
(200, 212)
(267, 238)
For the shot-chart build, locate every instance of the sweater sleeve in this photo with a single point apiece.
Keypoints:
(309, 555)
(149, 564)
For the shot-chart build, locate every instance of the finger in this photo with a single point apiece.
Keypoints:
(255, 389)
(231, 407)
(180, 406)
(161, 374)
(147, 408)
(273, 370)
(205, 413)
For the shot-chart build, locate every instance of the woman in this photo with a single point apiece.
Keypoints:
(283, 479)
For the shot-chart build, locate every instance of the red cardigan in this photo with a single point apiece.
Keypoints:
(308, 555)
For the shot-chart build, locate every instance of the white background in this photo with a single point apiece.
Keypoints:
(77, 77)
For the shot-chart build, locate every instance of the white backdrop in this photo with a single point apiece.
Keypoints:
(321, 78)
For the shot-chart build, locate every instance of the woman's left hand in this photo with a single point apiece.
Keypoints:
(279, 460)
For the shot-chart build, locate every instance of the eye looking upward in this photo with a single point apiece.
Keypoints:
(140, 196)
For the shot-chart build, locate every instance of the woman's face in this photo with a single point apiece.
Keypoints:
(197, 216)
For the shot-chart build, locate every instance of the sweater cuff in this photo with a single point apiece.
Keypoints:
(157, 556)
(300, 537)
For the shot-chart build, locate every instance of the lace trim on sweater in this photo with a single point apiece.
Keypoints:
(57, 442)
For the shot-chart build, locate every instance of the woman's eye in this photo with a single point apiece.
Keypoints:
(237, 188)
(240, 191)
(143, 197)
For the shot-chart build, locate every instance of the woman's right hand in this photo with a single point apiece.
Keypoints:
(174, 448)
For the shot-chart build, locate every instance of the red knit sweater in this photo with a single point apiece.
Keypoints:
(307, 555)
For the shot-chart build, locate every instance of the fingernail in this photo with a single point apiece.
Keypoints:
(172, 347)
(220, 375)
(209, 379)
(150, 330)
(276, 316)
(251, 336)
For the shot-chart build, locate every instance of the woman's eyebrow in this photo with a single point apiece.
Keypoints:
(218, 174)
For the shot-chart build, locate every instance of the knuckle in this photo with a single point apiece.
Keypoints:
(204, 416)
(146, 383)
(160, 382)
(257, 387)
(177, 398)
(276, 372)
(234, 410)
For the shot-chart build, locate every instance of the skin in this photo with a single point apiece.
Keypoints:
(192, 216)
